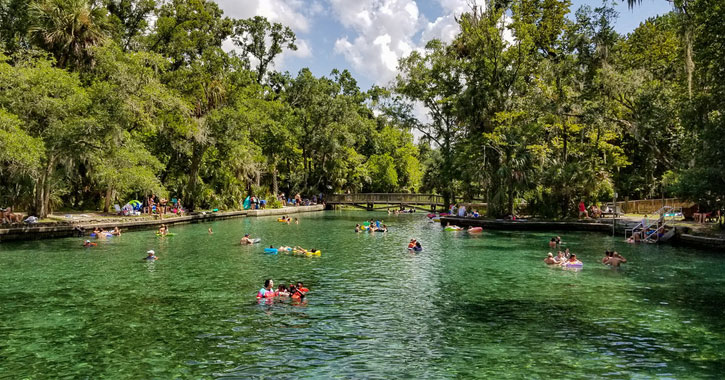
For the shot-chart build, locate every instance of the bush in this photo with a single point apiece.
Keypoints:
(274, 203)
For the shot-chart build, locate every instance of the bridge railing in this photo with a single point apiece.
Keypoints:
(391, 198)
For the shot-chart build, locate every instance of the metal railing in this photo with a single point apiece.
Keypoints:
(655, 229)
(389, 198)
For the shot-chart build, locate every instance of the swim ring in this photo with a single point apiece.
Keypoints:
(282, 220)
(453, 228)
(316, 253)
(574, 265)
(475, 229)
(271, 251)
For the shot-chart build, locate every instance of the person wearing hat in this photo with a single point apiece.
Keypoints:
(550, 259)
(151, 255)
(246, 240)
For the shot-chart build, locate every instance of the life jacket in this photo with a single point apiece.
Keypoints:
(303, 290)
(264, 293)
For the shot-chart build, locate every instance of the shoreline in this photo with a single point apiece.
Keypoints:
(67, 229)
(681, 238)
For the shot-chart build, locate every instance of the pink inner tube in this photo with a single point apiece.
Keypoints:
(475, 229)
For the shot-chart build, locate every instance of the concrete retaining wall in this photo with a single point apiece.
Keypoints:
(29, 232)
(285, 210)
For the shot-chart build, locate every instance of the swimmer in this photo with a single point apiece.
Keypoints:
(88, 243)
(116, 231)
(151, 255)
(559, 259)
(357, 227)
(246, 240)
(615, 260)
(282, 291)
(163, 230)
(418, 247)
(301, 287)
(295, 293)
(607, 255)
(567, 254)
(297, 221)
(549, 260)
(284, 248)
(210, 231)
(266, 291)
(572, 261)
(411, 245)
(552, 243)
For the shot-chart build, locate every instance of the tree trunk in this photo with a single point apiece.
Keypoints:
(110, 192)
(42, 192)
(689, 63)
(198, 154)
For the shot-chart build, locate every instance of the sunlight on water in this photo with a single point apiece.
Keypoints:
(467, 306)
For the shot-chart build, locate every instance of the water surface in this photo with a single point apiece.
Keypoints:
(466, 307)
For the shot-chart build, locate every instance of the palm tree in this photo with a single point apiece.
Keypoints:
(68, 29)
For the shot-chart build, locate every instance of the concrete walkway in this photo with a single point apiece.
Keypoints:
(130, 223)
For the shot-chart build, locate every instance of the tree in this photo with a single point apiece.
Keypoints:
(252, 35)
(68, 29)
(53, 108)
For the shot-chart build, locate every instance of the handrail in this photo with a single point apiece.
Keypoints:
(385, 197)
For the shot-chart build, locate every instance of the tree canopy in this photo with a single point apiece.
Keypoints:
(106, 101)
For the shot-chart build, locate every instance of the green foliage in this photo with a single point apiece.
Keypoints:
(108, 100)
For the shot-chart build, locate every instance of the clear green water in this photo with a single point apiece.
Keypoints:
(465, 307)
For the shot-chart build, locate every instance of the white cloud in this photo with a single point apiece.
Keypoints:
(387, 30)
(293, 13)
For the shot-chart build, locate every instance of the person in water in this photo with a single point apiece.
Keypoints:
(150, 255)
(572, 261)
(282, 291)
(559, 259)
(246, 240)
(301, 287)
(614, 259)
(116, 231)
(89, 243)
(210, 231)
(295, 294)
(418, 247)
(552, 243)
(411, 245)
(550, 260)
(357, 227)
(297, 220)
(163, 230)
(266, 291)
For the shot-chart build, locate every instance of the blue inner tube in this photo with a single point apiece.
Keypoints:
(271, 251)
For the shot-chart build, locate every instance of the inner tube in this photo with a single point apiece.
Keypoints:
(316, 253)
(475, 229)
(255, 241)
(282, 220)
(453, 228)
(574, 265)
(271, 251)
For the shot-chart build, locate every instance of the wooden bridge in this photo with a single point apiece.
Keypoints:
(373, 201)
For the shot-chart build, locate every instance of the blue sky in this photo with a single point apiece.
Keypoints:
(367, 37)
